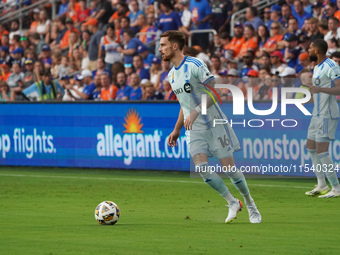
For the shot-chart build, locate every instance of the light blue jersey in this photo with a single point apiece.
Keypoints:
(187, 83)
(324, 75)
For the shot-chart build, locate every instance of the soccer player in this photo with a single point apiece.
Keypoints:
(188, 78)
(326, 85)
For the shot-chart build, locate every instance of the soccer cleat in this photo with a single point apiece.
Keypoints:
(333, 193)
(234, 208)
(254, 214)
(317, 191)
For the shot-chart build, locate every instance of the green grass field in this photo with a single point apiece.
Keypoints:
(51, 211)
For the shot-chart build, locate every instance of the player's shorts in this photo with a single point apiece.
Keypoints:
(322, 129)
(219, 141)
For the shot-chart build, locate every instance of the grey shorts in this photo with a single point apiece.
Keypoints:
(322, 129)
(219, 141)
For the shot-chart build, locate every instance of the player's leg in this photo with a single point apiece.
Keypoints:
(321, 187)
(211, 178)
(239, 181)
(328, 167)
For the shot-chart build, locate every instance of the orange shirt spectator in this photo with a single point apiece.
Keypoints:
(142, 38)
(235, 45)
(109, 93)
(272, 41)
(64, 40)
(337, 15)
(250, 44)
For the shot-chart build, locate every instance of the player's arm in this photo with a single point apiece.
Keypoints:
(172, 140)
(331, 91)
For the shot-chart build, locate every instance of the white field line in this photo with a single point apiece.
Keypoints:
(135, 180)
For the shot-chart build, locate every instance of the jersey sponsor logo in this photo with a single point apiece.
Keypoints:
(317, 81)
(187, 87)
(178, 91)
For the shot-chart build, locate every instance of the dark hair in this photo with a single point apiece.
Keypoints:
(287, 5)
(267, 35)
(334, 40)
(335, 54)
(321, 45)
(331, 4)
(175, 36)
(216, 57)
(251, 52)
(333, 18)
(124, 17)
(130, 32)
(45, 72)
(111, 25)
(323, 24)
(167, 3)
(253, 10)
(139, 56)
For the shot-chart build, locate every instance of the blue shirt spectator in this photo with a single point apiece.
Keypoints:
(171, 21)
(63, 8)
(136, 94)
(199, 10)
(123, 92)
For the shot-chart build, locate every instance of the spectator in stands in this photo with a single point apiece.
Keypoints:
(86, 36)
(288, 79)
(4, 71)
(64, 68)
(152, 28)
(304, 42)
(108, 47)
(314, 32)
(150, 93)
(248, 60)
(234, 47)
(56, 61)
(139, 67)
(96, 93)
(45, 56)
(317, 8)
(306, 81)
(35, 22)
(253, 82)
(89, 85)
(336, 57)
(141, 20)
(266, 15)
(169, 19)
(337, 13)
(44, 26)
(76, 59)
(292, 50)
(275, 15)
(250, 41)
(92, 25)
(4, 55)
(264, 78)
(323, 26)
(58, 31)
(5, 92)
(275, 36)
(15, 42)
(15, 30)
(5, 40)
(131, 46)
(82, 13)
(103, 14)
(155, 73)
(135, 91)
(24, 43)
(16, 76)
(264, 61)
(72, 92)
(333, 46)
(124, 90)
(286, 15)
(74, 43)
(134, 13)
(334, 29)
(18, 56)
(64, 43)
(278, 62)
(216, 66)
(38, 69)
(221, 10)
(182, 8)
(63, 7)
(217, 48)
(330, 9)
(201, 15)
(129, 70)
(300, 13)
(263, 36)
(100, 67)
(252, 18)
(28, 74)
(165, 68)
(168, 93)
(121, 11)
(304, 62)
(293, 28)
(45, 89)
(147, 56)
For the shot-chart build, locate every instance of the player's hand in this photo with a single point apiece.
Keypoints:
(172, 139)
(190, 120)
(313, 89)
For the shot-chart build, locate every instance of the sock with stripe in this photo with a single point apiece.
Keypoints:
(215, 182)
(328, 165)
(320, 175)
(239, 181)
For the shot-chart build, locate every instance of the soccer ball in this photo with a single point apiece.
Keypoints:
(107, 213)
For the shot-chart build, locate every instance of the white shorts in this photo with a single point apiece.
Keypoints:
(219, 141)
(322, 129)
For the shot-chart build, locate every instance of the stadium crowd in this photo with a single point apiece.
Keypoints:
(91, 52)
